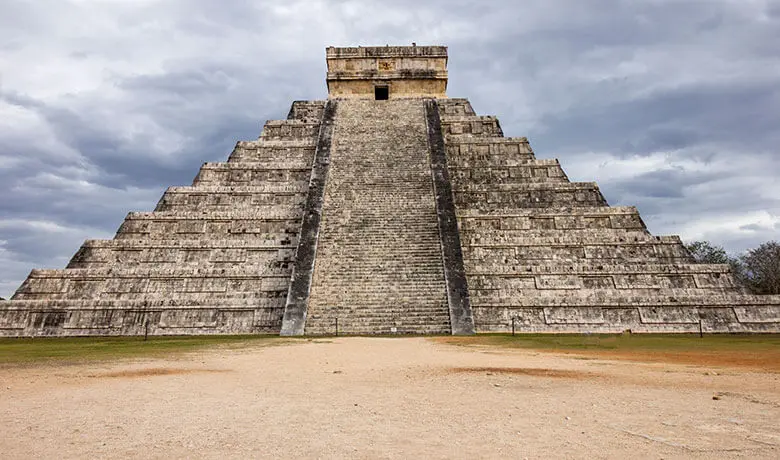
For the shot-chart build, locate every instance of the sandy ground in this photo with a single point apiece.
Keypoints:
(387, 398)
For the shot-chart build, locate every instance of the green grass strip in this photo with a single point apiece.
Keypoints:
(627, 342)
(78, 349)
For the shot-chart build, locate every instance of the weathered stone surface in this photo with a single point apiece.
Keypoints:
(379, 259)
(461, 319)
(295, 311)
(213, 258)
(545, 255)
(407, 215)
(406, 71)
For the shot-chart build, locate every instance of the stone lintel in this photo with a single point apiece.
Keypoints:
(333, 52)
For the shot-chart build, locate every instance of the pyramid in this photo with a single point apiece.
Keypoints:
(388, 208)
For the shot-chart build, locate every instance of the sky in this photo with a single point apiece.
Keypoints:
(671, 106)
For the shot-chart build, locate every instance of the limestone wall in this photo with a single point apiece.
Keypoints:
(213, 258)
(397, 88)
(550, 255)
(420, 71)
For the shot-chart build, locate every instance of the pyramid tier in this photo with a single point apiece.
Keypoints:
(153, 282)
(551, 219)
(607, 248)
(182, 315)
(238, 224)
(611, 312)
(524, 172)
(250, 254)
(527, 195)
(269, 151)
(306, 110)
(455, 106)
(290, 129)
(254, 173)
(455, 126)
(267, 199)
(491, 152)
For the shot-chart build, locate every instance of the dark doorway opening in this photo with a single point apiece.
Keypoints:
(381, 93)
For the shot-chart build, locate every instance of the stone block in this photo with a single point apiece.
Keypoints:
(669, 315)
(574, 315)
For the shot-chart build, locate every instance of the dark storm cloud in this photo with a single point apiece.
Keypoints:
(672, 106)
(672, 120)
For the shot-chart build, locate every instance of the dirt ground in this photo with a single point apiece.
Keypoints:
(388, 398)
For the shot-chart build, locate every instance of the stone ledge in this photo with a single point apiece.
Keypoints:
(706, 316)
(524, 163)
(180, 301)
(401, 74)
(277, 143)
(204, 243)
(528, 186)
(488, 140)
(332, 52)
(561, 211)
(269, 187)
(593, 239)
(257, 166)
(226, 216)
(595, 269)
(138, 318)
(617, 299)
(149, 273)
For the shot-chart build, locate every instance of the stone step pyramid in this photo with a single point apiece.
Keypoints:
(389, 208)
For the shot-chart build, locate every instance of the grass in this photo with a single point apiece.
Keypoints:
(24, 351)
(752, 351)
(635, 342)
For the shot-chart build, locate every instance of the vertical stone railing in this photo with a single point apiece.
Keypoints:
(461, 319)
(294, 319)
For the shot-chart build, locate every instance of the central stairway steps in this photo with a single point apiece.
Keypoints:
(379, 263)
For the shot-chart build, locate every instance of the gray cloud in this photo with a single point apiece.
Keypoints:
(672, 106)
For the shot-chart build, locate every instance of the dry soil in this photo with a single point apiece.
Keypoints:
(388, 398)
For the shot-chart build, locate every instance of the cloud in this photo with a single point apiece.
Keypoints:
(669, 105)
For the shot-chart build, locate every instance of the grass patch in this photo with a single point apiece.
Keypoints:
(24, 351)
(635, 342)
(754, 351)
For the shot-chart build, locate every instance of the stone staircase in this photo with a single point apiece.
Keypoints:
(379, 263)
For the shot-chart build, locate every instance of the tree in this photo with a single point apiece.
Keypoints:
(761, 269)
(705, 253)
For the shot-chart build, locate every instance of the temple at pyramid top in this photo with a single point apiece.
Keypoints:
(387, 72)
